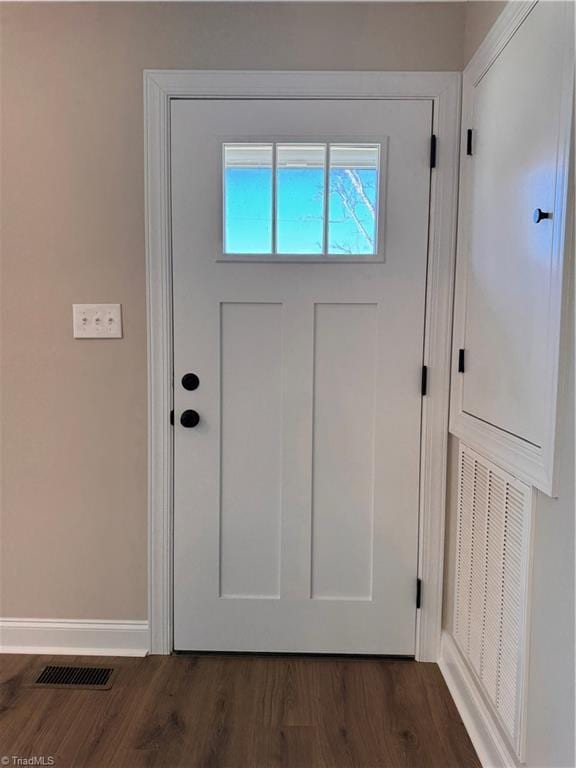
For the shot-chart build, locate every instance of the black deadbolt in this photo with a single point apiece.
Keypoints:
(189, 419)
(190, 381)
(539, 214)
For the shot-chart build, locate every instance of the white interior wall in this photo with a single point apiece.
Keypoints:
(550, 694)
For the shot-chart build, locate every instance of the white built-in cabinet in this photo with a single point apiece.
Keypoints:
(514, 212)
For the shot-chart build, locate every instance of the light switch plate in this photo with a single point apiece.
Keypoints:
(97, 321)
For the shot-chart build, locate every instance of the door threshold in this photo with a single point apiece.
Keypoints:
(297, 655)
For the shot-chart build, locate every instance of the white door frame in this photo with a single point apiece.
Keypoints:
(443, 88)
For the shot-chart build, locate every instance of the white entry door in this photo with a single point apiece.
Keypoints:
(300, 233)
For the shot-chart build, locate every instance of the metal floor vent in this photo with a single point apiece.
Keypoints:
(95, 678)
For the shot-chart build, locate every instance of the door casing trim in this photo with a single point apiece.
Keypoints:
(444, 90)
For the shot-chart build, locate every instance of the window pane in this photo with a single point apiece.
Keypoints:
(353, 199)
(300, 170)
(248, 198)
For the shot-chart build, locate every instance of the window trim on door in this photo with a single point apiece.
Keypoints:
(443, 89)
(326, 258)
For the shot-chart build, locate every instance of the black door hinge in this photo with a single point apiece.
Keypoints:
(172, 418)
(424, 384)
(460, 361)
(433, 151)
(418, 593)
(469, 141)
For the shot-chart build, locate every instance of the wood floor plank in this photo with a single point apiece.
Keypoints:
(213, 711)
(110, 714)
(300, 698)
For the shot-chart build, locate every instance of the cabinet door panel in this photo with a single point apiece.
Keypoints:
(509, 290)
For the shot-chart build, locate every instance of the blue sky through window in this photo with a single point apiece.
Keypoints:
(300, 190)
(352, 211)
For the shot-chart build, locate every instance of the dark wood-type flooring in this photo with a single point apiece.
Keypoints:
(236, 712)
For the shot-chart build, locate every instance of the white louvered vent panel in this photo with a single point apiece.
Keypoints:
(464, 556)
(494, 577)
(492, 573)
(478, 585)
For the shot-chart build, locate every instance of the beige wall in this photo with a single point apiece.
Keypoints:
(73, 422)
(480, 15)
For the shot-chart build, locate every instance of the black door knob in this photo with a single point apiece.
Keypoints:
(539, 214)
(190, 381)
(190, 419)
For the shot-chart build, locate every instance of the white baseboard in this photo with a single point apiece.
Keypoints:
(80, 637)
(491, 747)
